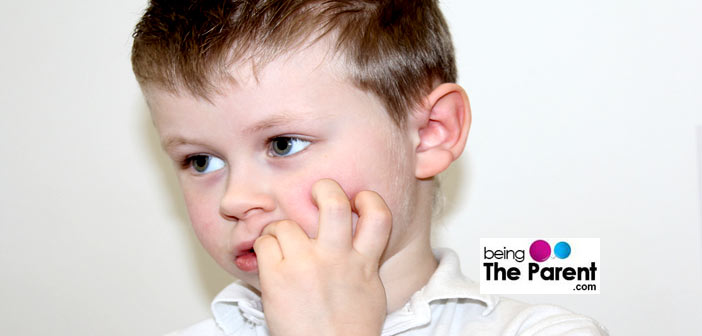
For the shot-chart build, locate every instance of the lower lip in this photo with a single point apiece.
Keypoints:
(247, 262)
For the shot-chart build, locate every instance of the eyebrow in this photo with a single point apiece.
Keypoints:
(270, 122)
(273, 121)
(176, 141)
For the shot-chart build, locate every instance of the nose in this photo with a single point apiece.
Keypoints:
(246, 195)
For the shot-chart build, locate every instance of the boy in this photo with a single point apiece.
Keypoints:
(307, 135)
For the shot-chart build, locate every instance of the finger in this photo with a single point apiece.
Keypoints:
(290, 236)
(374, 224)
(335, 226)
(267, 252)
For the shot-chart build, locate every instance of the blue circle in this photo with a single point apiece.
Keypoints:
(562, 250)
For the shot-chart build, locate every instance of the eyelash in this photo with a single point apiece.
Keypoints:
(269, 144)
(187, 162)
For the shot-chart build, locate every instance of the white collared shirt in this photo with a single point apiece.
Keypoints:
(449, 304)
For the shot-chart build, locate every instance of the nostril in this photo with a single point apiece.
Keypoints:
(229, 217)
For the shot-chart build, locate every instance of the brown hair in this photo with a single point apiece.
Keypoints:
(396, 49)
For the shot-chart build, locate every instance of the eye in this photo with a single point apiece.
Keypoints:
(204, 164)
(286, 146)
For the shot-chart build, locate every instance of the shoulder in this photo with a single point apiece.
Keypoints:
(457, 304)
(518, 318)
(205, 328)
(458, 308)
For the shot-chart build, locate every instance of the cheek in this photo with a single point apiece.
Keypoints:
(204, 218)
(298, 204)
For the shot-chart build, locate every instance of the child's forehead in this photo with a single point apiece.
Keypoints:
(316, 57)
(292, 85)
(304, 66)
(312, 58)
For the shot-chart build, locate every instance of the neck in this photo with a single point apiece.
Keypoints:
(407, 271)
(408, 268)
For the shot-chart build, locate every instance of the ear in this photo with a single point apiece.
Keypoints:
(440, 129)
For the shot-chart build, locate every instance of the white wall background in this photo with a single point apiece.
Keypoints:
(587, 123)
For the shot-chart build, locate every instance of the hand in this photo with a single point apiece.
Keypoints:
(328, 285)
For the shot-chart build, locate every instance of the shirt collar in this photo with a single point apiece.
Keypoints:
(237, 306)
(447, 282)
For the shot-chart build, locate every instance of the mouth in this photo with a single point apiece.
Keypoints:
(245, 258)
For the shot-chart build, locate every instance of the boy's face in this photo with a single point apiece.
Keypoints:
(251, 156)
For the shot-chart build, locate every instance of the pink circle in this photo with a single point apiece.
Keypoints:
(540, 250)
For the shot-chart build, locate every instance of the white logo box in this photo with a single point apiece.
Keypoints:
(579, 273)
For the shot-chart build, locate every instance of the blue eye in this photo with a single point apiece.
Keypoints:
(204, 164)
(286, 146)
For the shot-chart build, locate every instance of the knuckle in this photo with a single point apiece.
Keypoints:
(373, 206)
(367, 195)
(370, 199)
(325, 182)
(279, 227)
(286, 225)
(383, 215)
(261, 241)
(270, 227)
(336, 203)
